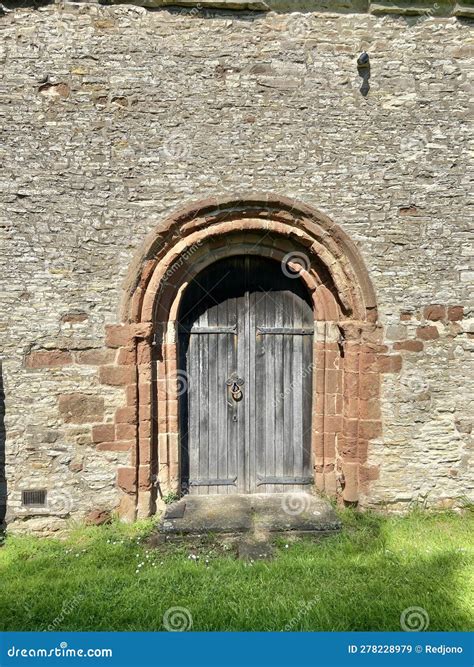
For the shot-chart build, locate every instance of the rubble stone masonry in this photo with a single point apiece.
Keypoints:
(115, 118)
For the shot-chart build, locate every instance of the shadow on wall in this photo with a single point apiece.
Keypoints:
(3, 481)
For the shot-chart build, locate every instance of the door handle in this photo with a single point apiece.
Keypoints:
(235, 383)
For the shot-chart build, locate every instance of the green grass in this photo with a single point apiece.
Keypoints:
(361, 579)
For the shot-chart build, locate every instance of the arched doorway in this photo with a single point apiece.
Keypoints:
(245, 352)
(348, 348)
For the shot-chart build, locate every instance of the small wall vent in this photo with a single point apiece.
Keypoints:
(33, 498)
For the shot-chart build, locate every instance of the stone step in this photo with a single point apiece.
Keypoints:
(257, 513)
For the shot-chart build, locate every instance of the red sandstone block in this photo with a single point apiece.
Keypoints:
(373, 348)
(369, 387)
(144, 373)
(455, 313)
(362, 450)
(95, 357)
(144, 429)
(116, 375)
(409, 345)
(318, 444)
(351, 363)
(48, 359)
(162, 422)
(163, 454)
(125, 431)
(132, 395)
(126, 415)
(144, 391)
(126, 356)
(161, 386)
(144, 481)
(171, 367)
(126, 479)
(169, 350)
(116, 446)
(144, 412)
(79, 408)
(369, 409)
(141, 330)
(331, 404)
(143, 353)
(370, 429)
(389, 363)
(319, 359)
(351, 428)
(351, 384)
(144, 446)
(172, 408)
(351, 478)
(427, 333)
(329, 447)
(368, 362)
(332, 424)
(118, 335)
(368, 473)
(103, 433)
(333, 382)
(434, 312)
(405, 316)
(351, 407)
(172, 424)
(347, 448)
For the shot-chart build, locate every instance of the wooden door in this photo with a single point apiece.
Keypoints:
(245, 345)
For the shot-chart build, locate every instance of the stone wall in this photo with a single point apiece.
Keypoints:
(114, 117)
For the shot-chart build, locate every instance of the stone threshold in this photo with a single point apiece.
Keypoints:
(254, 514)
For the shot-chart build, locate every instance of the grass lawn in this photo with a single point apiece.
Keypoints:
(109, 579)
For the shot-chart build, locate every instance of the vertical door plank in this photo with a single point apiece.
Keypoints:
(193, 409)
(287, 389)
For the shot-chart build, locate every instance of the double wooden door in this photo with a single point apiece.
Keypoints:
(245, 353)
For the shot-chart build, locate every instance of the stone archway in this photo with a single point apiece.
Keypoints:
(348, 349)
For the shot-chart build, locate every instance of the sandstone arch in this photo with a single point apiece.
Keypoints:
(348, 350)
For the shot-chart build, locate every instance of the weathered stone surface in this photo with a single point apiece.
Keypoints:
(427, 333)
(80, 408)
(409, 345)
(434, 312)
(48, 359)
(259, 513)
(148, 111)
